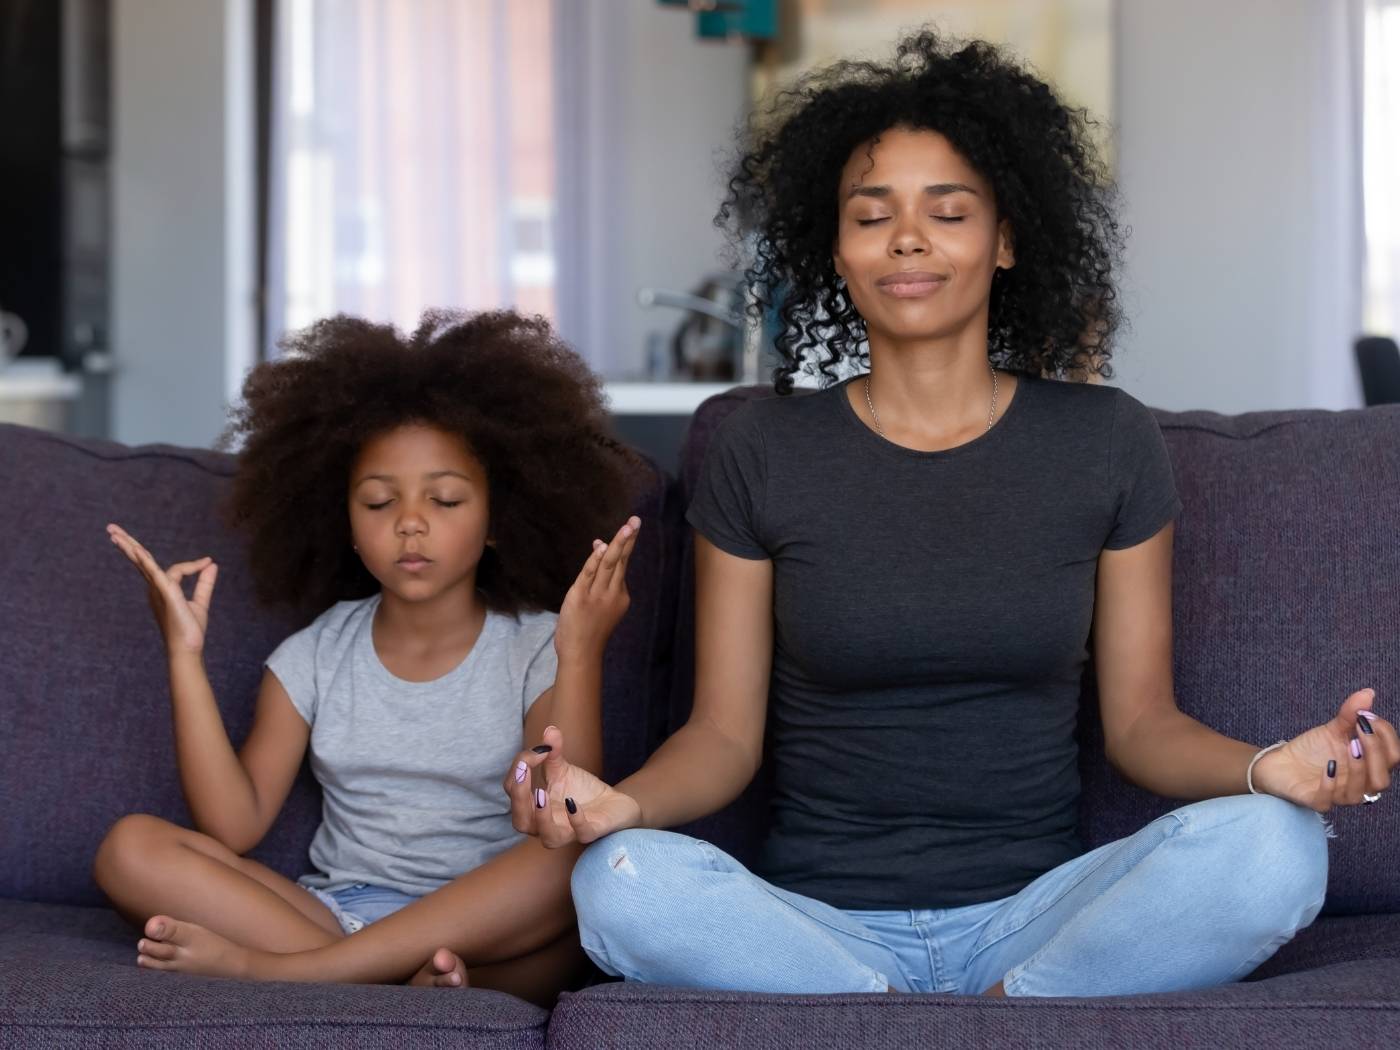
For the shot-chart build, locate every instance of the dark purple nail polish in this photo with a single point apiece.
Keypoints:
(541, 749)
(1332, 769)
(569, 805)
(1364, 725)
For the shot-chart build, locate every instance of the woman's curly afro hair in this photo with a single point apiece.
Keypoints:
(1054, 313)
(525, 404)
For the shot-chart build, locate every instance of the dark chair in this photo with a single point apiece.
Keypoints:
(1378, 358)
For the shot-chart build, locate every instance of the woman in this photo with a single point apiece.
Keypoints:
(900, 575)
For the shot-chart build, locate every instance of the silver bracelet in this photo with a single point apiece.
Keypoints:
(1249, 773)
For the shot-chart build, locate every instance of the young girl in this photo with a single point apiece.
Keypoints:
(902, 577)
(434, 497)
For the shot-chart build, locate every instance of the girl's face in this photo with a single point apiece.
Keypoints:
(419, 511)
(917, 238)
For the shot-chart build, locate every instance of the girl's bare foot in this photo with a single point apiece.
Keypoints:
(444, 970)
(184, 946)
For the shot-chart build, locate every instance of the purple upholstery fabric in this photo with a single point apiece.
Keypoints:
(1286, 599)
(85, 731)
(1350, 1004)
(68, 978)
(85, 700)
(1286, 594)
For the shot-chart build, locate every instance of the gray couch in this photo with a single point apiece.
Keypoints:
(1287, 586)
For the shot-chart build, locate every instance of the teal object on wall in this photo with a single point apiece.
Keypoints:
(752, 19)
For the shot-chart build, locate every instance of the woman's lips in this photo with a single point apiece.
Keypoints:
(910, 284)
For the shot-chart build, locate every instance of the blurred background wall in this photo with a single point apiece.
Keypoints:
(268, 161)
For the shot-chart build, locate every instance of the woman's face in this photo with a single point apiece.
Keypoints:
(419, 511)
(918, 238)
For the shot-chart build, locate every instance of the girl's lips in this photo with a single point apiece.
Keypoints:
(413, 562)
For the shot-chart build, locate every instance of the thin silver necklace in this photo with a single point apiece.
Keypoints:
(881, 430)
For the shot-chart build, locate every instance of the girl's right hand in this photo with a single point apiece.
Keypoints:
(183, 621)
(543, 810)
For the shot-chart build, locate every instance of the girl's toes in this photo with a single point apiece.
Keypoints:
(451, 972)
(158, 927)
(155, 949)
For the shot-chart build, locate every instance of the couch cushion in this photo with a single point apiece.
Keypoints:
(1350, 1004)
(1286, 599)
(68, 977)
(85, 700)
(1286, 591)
(85, 728)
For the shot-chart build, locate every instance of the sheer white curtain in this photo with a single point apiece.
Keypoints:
(1382, 166)
(412, 160)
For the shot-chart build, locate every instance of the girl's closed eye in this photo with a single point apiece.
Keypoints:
(378, 506)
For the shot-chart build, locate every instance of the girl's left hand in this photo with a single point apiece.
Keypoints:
(1298, 770)
(598, 599)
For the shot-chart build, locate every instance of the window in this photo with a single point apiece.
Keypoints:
(412, 161)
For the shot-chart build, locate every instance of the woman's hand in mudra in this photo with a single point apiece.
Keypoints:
(1359, 762)
(559, 802)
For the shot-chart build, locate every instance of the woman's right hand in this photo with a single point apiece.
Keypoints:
(183, 621)
(570, 804)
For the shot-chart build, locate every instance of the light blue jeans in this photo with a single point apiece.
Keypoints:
(1199, 897)
(361, 903)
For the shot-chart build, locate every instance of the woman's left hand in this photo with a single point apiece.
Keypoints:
(598, 599)
(1298, 771)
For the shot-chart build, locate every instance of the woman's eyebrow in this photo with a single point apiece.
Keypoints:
(938, 189)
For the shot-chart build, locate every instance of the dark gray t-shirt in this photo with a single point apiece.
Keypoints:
(931, 618)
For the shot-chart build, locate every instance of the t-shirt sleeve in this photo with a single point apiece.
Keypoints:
(542, 663)
(294, 664)
(729, 494)
(1140, 475)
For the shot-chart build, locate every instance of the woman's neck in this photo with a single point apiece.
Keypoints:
(930, 392)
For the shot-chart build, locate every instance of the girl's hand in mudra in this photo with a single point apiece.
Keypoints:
(560, 803)
(183, 621)
(598, 598)
(1360, 761)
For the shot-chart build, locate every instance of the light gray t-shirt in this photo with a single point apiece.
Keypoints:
(411, 771)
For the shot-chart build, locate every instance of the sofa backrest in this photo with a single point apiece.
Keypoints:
(85, 726)
(1286, 599)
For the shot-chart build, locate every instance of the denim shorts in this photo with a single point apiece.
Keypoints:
(359, 904)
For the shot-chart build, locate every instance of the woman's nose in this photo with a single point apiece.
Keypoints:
(908, 239)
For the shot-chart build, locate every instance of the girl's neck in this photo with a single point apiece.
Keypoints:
(445, 620)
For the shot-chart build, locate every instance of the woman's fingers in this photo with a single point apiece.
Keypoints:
(519, 788)
(1384, 737)
(1373, 758)
(554, 816)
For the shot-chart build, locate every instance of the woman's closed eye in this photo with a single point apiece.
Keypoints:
(884, 218)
